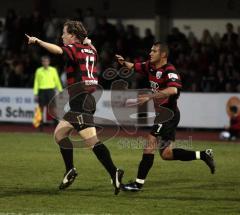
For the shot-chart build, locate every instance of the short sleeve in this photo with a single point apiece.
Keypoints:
(69, 52)
(173, 78)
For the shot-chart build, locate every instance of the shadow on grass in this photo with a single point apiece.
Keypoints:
(187, 198)
(11, 192)
(193, 184)
(149, 193)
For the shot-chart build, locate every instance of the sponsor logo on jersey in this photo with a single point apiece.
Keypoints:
(91, 82)
(154, 86)
(172, 76)
(89, 51)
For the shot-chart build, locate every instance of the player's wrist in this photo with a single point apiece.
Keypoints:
(128, 64)
(38, 42)
(161, 94)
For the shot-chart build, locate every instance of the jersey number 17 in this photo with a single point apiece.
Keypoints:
(90, 60)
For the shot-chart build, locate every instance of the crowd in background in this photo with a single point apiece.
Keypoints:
(210, 64)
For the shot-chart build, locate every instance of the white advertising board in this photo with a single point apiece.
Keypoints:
(16, 105)
(198, 110)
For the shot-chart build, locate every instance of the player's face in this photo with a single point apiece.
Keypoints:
(66, 37)
(155, 54)
(45, 62)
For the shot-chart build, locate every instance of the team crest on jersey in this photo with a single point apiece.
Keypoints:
(158, 74)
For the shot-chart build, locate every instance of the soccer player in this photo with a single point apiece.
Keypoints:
(81, 59)
(166, 85)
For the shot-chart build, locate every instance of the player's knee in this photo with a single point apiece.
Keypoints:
(151, 139)
(89, 136)
(148, 151)
(90, 142)
(58, 135)
(166, 154)
(151, 145)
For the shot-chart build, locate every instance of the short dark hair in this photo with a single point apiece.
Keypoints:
(163, 47)
(45, 57)
(76, 28)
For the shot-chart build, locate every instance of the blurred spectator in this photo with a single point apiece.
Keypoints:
(9, 27)
(121, 46)
(228, 88)
(238, 88)
(133, 41)
(217, 40)
(89, 20)
(2, 38)
(209, 80)
(208, 65)
(176, 38)
(51, 28)
(192, 40)
(16, 76)
(220, 85)
(206, 38)
(107, 30)
(238, 31)
(148, 40)
(78, 15)
(230, 37)
(18, 32)
(35, 24)
(120, 29)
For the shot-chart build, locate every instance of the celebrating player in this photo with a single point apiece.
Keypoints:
(166, 85)
(81, 60)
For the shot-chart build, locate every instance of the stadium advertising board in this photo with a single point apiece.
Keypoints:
(203, 110)
(198, 110)
(16, 105)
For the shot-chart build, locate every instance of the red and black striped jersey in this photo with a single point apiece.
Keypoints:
(160, 79)
(81, 61)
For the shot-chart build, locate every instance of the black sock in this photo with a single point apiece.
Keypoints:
(144, 166)
(183, 155)
(103, 155)
(66, 149)
(203, 155)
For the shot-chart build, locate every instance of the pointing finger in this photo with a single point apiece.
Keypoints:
(27, 36)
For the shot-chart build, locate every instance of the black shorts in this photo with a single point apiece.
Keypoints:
(166, 131)
(45, 96)
(82, 109)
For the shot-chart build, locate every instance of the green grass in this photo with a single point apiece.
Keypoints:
(31, 169)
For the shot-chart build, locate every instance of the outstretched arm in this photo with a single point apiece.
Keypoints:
(122, 61)
(158, 95)
(54, 49)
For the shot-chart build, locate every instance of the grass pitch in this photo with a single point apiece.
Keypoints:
(31, 169)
